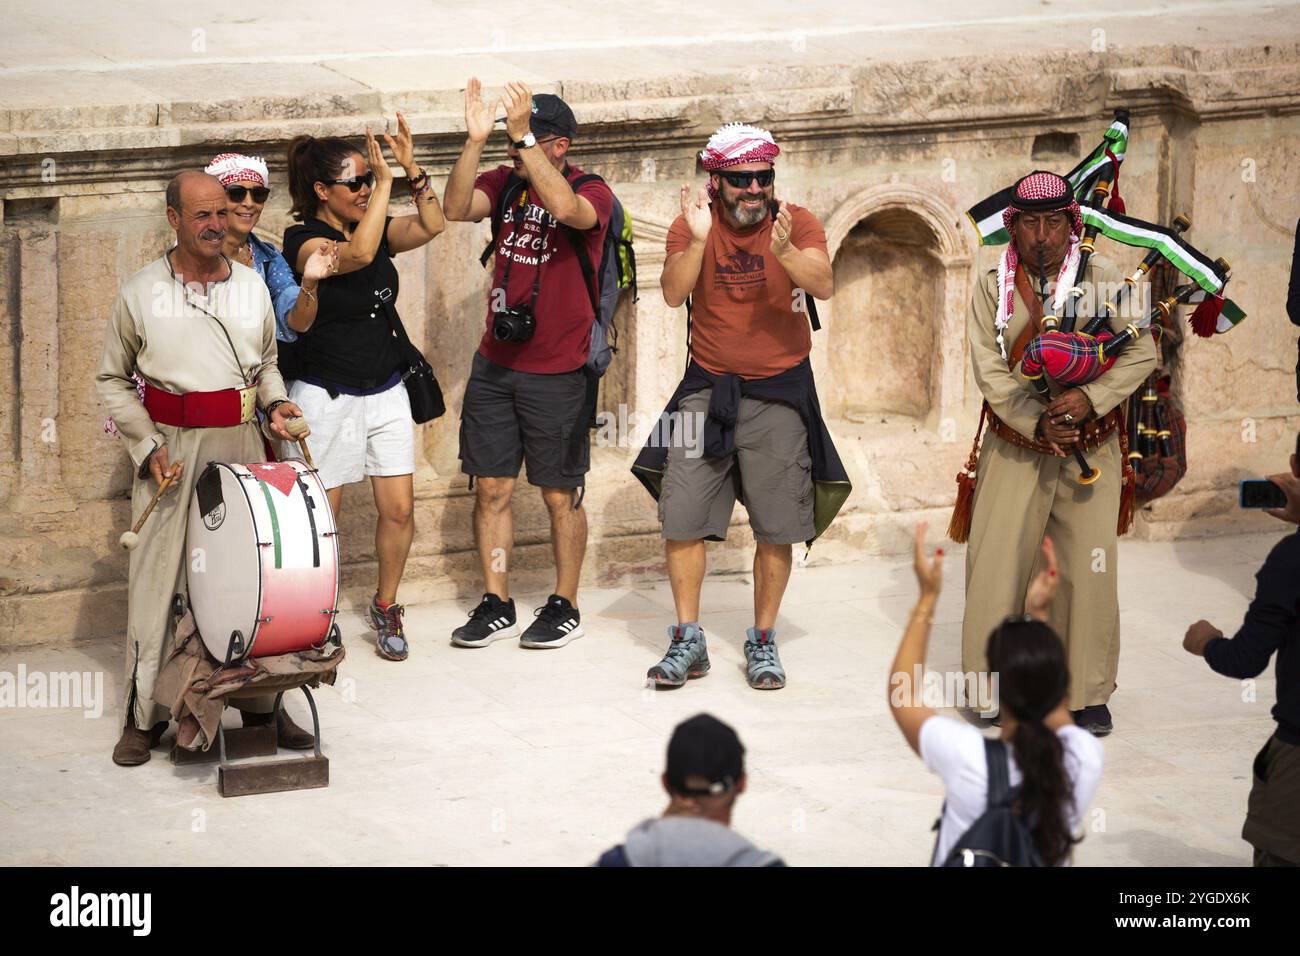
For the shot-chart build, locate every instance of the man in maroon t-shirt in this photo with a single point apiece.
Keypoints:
(527, 396)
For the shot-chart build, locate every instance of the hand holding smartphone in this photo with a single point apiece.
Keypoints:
(1278, 494)
(1261, 493)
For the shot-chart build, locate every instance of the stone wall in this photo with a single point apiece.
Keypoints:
(888, 157)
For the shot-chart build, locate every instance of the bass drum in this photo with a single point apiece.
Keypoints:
(261, 559)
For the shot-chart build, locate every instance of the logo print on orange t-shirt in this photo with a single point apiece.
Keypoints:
(739, 268)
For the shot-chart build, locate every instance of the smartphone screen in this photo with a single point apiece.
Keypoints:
(1259, 493)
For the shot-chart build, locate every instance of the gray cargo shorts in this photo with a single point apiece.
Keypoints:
(770, 460)
(509, 418)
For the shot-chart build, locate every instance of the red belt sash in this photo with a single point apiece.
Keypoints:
(222, 409)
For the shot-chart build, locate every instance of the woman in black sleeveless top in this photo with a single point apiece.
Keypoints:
(347, 360)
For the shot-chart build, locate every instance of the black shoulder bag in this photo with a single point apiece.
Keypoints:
(421, 385)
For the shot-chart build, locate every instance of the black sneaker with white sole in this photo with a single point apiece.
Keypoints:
(492, 620)
(558, 622)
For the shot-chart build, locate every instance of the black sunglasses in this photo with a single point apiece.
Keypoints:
(237, 193)
(354, 183)
(742, 180)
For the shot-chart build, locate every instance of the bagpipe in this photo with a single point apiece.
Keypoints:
(1072, 358)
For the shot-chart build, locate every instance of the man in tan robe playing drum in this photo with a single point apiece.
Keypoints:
(1027, 483)
(191, 324)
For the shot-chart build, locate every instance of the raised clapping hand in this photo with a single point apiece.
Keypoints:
(480, 115)
(781, 246)
(929, 571)
(322, 263)
(696, 212)
(519, 110)
(378, 165)
(1042, 589)
(402, 148)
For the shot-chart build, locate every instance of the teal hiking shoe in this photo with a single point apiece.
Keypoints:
(687, 657)
(762, 663)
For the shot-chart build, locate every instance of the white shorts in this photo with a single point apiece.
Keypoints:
(353, 436)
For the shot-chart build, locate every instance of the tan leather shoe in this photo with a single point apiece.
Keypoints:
(134, 745)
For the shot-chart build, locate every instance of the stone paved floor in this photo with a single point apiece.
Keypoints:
(508, 756)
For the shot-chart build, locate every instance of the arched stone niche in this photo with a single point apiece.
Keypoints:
(895, 330)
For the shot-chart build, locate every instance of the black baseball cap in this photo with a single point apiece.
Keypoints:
(704, 747)
(551, 115)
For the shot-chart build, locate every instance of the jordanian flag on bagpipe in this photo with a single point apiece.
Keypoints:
(1216, 314)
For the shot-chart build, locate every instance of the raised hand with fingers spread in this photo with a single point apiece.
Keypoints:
(480, 114)
(519, 110)
(697, 213)
(378, 165)
(929, 571)
(402, 147)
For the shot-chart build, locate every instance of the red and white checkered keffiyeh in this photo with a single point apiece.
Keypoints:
(237, 168)
(737, 143)
(1033, 190)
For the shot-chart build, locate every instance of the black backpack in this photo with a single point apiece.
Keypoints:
(999, 837)
(605, 289)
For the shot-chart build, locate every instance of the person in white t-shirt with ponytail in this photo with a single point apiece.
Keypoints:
(1056, 764)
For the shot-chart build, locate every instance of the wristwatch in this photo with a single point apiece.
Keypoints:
(527, 142)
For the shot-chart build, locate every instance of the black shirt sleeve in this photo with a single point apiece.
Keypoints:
(294, 238)
(1270, 618)
(1293, 288)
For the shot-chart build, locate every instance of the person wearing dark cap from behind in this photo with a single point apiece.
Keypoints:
(529, 398)
(704, 776)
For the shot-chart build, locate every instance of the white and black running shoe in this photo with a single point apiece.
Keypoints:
(558, 622)
(492, 620)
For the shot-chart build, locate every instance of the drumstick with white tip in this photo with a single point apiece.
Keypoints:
(130, 539)
(297, 427)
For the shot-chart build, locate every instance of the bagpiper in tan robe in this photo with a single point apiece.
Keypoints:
(1021, 495)
(160, 331)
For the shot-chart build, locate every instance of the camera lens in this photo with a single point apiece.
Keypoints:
(513, 325)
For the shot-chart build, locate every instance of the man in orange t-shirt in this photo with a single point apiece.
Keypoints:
(748, 263)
